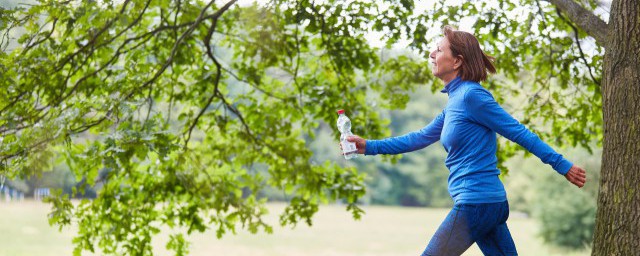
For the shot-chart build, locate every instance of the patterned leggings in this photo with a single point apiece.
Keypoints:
(484, 224)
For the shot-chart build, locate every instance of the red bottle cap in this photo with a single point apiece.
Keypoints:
(341, 111)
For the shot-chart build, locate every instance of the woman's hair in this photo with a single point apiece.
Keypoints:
(475, 63)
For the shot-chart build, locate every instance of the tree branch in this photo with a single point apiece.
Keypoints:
(327, 42)
(15, 100)
(296, 69)
(93, 39)
(47, 36)
(36, 118)
(238, 114)
(26, 149)
(174, 50)
(255, 86)
(75, 87)
(88, 126)
(119, 52)
(115, 57)
(150, 99)
(14, 22)
(582, 56)
(216, 81)
(585, 19)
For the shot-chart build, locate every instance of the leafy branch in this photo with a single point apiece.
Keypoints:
(577, 37)
(216, 81)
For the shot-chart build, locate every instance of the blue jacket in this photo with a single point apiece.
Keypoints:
(467, 129)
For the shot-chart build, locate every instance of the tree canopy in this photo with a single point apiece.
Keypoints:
(181, 112)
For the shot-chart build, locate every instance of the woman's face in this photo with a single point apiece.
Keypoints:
(445, 66)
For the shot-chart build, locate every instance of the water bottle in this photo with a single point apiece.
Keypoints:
(349, 149)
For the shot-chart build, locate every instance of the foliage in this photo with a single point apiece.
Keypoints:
(182, 111)
(568, 220)
(568, 223)
(565, 213)
(416, 179)
(168, 106)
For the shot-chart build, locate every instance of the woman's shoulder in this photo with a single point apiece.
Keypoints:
(475, 92)
(471, 87)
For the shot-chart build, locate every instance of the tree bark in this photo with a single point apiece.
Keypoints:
(617, 230)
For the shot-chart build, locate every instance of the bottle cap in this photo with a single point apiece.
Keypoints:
(341, 111)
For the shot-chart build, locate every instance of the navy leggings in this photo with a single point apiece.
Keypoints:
(484, 224)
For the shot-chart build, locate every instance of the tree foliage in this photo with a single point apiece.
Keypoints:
(565, 214)
(173, 108)
(182, 111)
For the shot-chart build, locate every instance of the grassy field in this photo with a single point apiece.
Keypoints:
(382, 231)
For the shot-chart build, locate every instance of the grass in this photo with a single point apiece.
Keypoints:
(383, 231)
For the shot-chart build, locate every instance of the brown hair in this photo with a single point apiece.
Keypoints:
(475, 63)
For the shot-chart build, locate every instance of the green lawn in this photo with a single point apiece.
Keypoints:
(382, 231)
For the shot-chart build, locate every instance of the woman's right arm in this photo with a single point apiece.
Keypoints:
(409, 142)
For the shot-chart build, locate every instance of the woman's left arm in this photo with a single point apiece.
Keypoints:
(483, 109)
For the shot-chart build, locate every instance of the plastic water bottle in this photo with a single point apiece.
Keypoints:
(349, 149)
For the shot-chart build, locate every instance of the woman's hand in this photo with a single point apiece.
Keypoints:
(361, 144)
(577, 176)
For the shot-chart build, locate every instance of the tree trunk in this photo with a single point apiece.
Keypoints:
(617, 230)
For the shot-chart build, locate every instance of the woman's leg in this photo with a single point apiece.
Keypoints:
(469, 223)
(453, 237)
(497, 241)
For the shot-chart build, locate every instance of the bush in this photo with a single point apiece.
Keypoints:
(567, 213)
(566, 216)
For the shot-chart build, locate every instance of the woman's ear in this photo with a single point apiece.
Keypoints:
(457, 63)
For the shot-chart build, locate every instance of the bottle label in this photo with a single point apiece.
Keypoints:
(348, 147)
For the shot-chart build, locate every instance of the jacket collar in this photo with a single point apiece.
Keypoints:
(452, 86)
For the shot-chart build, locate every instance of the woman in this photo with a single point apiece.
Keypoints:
(467, 128)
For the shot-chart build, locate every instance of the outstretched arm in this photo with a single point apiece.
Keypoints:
(406, 143)
(486, 111)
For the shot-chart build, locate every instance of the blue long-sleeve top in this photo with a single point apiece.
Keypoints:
(467, 129)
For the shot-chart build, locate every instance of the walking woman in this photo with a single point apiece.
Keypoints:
(467, 128)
